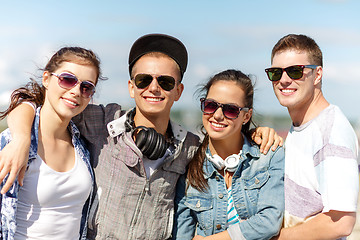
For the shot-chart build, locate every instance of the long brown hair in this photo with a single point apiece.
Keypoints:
(35, 92)
(195, 174)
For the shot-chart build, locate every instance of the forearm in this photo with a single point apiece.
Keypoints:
(20, 121)
(330, 225)
(218, 236)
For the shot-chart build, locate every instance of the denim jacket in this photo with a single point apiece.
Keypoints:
(258, 194)
(9, 200)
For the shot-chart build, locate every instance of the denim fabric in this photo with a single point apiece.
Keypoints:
(9, 199)
(258, 193)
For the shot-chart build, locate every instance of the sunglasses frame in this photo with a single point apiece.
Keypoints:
(220, 105)
(61, 79)
(268, 70)
(161, 83)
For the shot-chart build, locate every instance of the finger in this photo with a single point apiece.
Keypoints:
(269, 142)
(264, 140)
(4, 171)
(276, 143)
(22, 175)
(9, 182)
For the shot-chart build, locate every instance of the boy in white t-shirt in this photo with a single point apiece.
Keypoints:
(321, 149)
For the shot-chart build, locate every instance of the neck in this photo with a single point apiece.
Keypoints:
(226, 148)
(51, 125)
(303, 114)
(160, 124)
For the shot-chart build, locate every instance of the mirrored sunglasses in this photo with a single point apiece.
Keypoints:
(165, 82)
(68, 81)
(231, 111)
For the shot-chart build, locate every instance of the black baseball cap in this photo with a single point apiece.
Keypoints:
(166, 44)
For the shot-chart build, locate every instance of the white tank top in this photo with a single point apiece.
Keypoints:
(50, 203)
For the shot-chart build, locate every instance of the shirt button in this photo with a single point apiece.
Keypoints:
(113, 132)
(111, 126)
(217, 178)
(218, 226)
(221, 195)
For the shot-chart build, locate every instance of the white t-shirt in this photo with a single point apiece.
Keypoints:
(321, 168)
(50, 203)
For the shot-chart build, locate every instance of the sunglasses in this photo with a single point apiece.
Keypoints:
(230, 111)
(294, 72)
(68, 81)
(165, 82)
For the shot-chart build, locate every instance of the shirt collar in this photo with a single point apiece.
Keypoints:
(117, 127)
(248, 150)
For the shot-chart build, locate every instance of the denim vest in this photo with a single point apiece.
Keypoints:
(258, 194)
(9, 199)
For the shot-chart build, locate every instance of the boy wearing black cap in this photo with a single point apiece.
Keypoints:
(139, 155)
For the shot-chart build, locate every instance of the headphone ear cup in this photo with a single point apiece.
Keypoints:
(152, 144)
(232, 162)
(216, 160)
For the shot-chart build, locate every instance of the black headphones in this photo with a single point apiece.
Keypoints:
(152, 144)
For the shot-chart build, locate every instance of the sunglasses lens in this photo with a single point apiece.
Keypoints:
(67, 80)
(166, 82)
(230, 111)
(274, 74)
(295, 72)
(208, 106)
(87, 89)
(143, 80)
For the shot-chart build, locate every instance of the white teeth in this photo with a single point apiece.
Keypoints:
(218, 125)
(287, 90)
(153, 99)
(72, 103)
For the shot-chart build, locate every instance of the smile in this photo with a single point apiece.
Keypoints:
(70, 102)
(287, 90)
(218, 125)
(153, 99)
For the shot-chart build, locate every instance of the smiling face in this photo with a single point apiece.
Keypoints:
(67, 103)
(296, 95)
(153, 102)
(217, 125)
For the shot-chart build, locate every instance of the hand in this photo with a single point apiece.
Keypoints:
(13, 160)
(198, 237)
(266, 137)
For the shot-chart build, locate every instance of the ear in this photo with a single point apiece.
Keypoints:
(179, 90)
(46, 79)
(318, 77)
(131, 88)
(247, 116)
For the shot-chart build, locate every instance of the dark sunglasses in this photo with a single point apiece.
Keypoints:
(68, 81)
(294, 72)
(230, 111)
(165, 82)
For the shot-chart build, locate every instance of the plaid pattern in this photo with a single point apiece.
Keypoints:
(127, 204)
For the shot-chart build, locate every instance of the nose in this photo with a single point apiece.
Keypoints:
(76, 90)
(285, 79)
(154, 85)
(218, 114)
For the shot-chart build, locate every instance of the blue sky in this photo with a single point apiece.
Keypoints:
(218, 35)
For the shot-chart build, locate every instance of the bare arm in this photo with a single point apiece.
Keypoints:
(14, 156)
(330, 225)
(218, 236)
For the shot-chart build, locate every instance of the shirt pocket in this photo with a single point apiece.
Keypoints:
(253, 185)
(202, 208)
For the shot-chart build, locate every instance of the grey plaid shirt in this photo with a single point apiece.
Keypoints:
(128, 205)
